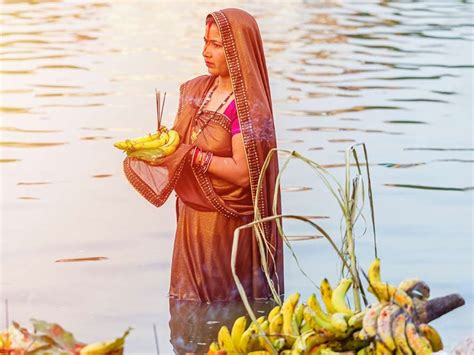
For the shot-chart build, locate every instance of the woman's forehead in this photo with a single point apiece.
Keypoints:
(212, 32)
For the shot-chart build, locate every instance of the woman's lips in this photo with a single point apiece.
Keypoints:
(209, 64)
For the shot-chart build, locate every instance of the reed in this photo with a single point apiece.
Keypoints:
(347, 196)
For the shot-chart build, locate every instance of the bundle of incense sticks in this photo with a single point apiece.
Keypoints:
(159, 111)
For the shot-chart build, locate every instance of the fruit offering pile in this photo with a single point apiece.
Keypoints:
(51, 338)
(388, 326)
(151, 147)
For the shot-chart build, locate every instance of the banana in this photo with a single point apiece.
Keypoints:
(381, 349)
(126, 143)
(155, 143)
(105, 347)
(238, 329)
(279, 344)
(259, 352)
(213, 347)
(276, 325)
(149, 155)
(402, 299)
(299, 314)
(339, 322)
(224, 340)
(398, 332)
(247, 339)
(326, 294)
(418, 343)
(316, 307)
(319, 324)
(433, 337)
(338, 298)
(172, 143)
(290, 327)
(384, 322)
(369, 323)
(415, 287)
(273, 312)
(305, 328)
(356, 320)
(264, 341)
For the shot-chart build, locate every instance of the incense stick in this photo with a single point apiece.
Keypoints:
(158, 114)
(156, 340)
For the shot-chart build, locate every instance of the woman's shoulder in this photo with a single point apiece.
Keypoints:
(196, 82)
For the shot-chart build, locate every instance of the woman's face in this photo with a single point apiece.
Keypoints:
(213, 52)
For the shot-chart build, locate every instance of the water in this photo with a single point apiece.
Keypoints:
(78, 76)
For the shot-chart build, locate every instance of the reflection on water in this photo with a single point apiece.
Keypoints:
(77, 75)
(194, 325)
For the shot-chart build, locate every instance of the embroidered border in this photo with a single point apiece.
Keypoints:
(221, 119)
(145, 190)
(206, 187)
(243, 109)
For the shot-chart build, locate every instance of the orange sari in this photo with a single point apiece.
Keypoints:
(208, 208)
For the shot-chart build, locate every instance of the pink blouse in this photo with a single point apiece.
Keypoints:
(231, 112)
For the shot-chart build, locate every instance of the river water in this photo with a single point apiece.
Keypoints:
(77, 76)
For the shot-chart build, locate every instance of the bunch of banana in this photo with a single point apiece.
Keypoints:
(391, 324)
(152, 146)
(296, 328)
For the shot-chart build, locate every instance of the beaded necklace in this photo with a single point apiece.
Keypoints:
(195, 133)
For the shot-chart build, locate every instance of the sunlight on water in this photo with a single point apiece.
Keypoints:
(80, 247)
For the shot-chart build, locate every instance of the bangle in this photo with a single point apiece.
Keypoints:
(207, 161)
(195, 153)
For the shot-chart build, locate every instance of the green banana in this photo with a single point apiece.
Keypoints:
(316, 307)
(356, 320)
(338, 298)
(299, 314)
(319, 324)
(338, 320)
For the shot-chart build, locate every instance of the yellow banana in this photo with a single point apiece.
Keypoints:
(326, 294)
(418, 343)
(338, 298)
(224, 340)
(384, 323)
(290, 327)
(381, 349)
(247, 339)
(155, 143)
(237, 330)
(305, 328)
(306, 342)
(316, 307)
(213, 347)
(339, 322)
(369, 322)
(265, 341)
(172, 143)
(279, 344)
(276, 325)
(415, 287)
(126, 143)
(259, 352)
(149, 155)
(275, 310)
(433, 337)
(398, 332)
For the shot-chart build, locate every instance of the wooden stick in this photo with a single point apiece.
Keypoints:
(162, 107)
(436, 307)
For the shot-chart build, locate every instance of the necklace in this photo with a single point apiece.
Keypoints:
(195, 133)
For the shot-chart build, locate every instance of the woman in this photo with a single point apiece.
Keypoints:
(225, 122)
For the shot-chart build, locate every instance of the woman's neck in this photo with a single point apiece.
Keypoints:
(224, 84)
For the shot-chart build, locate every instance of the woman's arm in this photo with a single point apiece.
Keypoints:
(233, 169)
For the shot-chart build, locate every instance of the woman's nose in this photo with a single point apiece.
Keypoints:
(205, 51)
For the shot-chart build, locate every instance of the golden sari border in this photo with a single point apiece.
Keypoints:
(243, 110)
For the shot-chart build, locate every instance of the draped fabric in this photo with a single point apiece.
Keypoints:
(209, 208)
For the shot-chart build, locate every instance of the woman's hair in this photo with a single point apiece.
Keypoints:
(209, 21)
